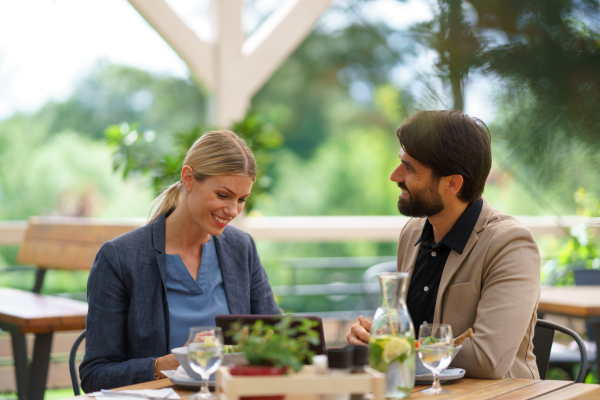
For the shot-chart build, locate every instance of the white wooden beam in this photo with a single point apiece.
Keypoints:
(278, 37)
(232, 99)
(231, 68)
(197, 54)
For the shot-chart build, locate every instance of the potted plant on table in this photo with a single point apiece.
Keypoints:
(274, 349)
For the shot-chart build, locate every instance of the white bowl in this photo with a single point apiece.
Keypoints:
(422, 370)
(181, 354)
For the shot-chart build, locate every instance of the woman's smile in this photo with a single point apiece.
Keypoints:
(220, 221)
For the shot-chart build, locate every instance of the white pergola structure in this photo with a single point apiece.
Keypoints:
(232, 67)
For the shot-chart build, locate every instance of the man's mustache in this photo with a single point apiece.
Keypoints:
(401, 185)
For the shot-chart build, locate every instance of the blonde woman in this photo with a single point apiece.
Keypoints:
(149, 286)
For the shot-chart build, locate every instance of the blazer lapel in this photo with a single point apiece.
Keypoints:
(229, 275)
(407, 264)
(158, 243)
(455, 260)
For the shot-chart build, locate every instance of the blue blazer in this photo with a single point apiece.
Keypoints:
(127, 323)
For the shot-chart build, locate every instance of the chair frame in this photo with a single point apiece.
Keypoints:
(72, 369)
(542, 342)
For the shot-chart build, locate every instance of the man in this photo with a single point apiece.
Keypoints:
(469, 265)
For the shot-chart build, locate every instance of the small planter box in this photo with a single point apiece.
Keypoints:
(306, 384)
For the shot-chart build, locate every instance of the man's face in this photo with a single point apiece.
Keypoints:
(420, 196)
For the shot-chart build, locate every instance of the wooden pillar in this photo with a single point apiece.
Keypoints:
(232, 99)
(232, 67)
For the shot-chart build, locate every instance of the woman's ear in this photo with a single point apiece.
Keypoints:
(187, 176)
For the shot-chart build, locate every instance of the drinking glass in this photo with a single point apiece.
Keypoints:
(205, 353)
(436, 347)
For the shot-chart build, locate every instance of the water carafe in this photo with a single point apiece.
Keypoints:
(392, 342)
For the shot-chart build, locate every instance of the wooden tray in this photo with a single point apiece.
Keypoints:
(300, 385)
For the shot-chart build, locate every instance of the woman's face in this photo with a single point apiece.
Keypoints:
(217, 200)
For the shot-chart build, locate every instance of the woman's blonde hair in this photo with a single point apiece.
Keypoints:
(214, 153)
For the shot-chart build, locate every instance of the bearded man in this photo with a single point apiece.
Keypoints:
(469, 265)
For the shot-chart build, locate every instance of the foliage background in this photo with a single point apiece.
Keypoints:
(323, 127)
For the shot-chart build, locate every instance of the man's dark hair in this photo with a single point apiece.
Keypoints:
(450, 143)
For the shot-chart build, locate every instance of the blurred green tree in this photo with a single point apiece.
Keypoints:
(135, 152)
(544, 59)
(458, 43)
(581, 250)
(114, 93)
(315, 82)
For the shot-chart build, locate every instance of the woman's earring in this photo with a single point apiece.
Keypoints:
(189, 188)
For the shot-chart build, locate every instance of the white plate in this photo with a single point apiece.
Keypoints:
(184, 380)
(420, 368)
(450, 374)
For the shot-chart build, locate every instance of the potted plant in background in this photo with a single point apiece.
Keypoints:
(273, 349)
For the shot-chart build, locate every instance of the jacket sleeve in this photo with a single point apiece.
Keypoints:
(105, 364)
(261, 295)
(510, 293)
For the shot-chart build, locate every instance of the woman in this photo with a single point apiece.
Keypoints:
(149, 286)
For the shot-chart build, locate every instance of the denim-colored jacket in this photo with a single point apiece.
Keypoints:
(127, 324)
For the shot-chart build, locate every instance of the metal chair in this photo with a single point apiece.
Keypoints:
(566, 360)
(371, 284)
(542, 344)
(72, 369)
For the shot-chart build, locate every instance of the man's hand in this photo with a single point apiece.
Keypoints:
(359, 333)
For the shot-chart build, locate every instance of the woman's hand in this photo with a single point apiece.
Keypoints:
(359, 333)
(199, 338)
(165, 363)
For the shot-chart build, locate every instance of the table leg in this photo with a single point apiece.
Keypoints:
(38, 371)
(596, 325)
(39, 280)
(19, 346)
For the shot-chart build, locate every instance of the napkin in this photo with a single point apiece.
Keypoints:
(165, 393)
(181, 371)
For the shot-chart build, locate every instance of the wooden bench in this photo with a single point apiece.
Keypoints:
(50, 243)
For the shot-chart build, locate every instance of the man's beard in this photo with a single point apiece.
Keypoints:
(421, 203)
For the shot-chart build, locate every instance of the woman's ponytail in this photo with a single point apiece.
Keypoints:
(165, 201)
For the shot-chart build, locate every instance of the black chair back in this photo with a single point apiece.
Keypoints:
(542, 344)
(72, 369)
(588, 277)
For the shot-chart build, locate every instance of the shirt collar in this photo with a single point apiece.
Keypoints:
(459, 234)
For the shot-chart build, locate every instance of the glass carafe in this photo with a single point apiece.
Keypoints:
(392, 343)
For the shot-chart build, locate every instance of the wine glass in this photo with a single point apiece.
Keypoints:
(205, 353)
(436, 347)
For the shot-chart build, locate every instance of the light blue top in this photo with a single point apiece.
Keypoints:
(194, 302)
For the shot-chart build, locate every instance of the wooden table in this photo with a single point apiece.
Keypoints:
(574, 301)
(25, 312)
(463, 389)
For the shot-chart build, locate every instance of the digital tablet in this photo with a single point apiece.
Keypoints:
(224, 321)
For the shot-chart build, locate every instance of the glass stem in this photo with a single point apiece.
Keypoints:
(436, 387)
(205, 385)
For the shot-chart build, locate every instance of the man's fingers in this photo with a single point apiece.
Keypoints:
(353, 341)
(356, 342)
(365, 323)
(360, 333)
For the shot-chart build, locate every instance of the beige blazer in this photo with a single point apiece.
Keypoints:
(492, 287)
